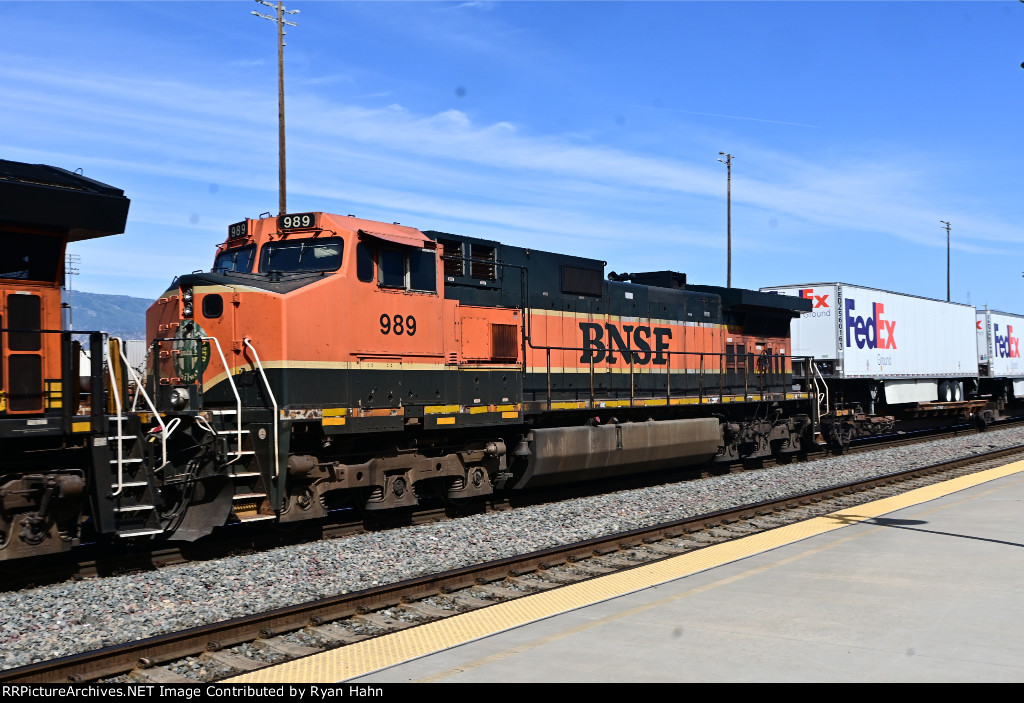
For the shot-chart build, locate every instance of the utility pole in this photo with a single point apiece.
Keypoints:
(728, 216)
(947, 258)
(281, 22)
(71, 269)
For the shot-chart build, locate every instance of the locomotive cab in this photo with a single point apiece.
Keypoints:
(313, 339)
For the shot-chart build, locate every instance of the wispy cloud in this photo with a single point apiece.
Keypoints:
(447, 170)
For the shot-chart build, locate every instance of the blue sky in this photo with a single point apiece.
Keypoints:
(589, 128)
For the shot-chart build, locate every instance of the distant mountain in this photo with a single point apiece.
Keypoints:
(118, 315)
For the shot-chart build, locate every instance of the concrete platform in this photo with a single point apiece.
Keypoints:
(925, 587)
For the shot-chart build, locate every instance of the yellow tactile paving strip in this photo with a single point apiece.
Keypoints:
(371, 655)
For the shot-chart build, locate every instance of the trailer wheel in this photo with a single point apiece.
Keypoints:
(945, 393)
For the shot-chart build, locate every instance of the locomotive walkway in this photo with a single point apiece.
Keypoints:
(925, 586)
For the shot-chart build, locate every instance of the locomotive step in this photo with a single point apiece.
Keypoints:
(139, 533)
(231, 432)
(133, 508)
(249, 496)
(133, 484)
(127, 460)
(246, 474)
(256, 518)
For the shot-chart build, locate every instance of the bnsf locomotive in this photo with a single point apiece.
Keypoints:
(331, 361)
(327, 361)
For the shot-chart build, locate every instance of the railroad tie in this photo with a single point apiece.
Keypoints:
(426, 610)
(594, 569)
(667, 550)
(233, 661)
(289, 649)
(618, 562)
(537, 583)
(563, 577)
(159, 674)
(472, 602)
(333, 635)
(382, 621)
(498, 590)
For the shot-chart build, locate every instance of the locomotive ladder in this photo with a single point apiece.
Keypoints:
(273, 402)
(248, 491)
(133, 507)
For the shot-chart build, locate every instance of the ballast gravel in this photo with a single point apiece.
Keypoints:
(57, 620)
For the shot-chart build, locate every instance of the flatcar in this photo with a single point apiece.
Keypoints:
(884, 357)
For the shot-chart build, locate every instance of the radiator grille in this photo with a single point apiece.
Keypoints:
(483, 264)
(504, 342)
(23, 313)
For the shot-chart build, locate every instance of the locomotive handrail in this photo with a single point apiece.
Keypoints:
(238, 399)
(273, 401)
(139, 389)
(748, 360)
(817, 390)
(115, 391)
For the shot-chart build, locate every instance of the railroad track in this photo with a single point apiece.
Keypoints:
(93, 561)
(228, 648)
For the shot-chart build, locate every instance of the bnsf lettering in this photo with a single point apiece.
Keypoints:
(875, 332)
(1007, 346)
(628, 339)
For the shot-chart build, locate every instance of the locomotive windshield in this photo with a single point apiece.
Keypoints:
(235, 260)
(302, 255)
(29, 257)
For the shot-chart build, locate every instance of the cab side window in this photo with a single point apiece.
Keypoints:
(391, 268)
(423, 270)
(402, 268)
(364, 262)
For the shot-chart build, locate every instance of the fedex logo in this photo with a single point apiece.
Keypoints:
(1007, 346)
(875, 331)
(820, 301)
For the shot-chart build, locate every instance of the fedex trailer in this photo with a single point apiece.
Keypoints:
(1000, 366)
(890, 346)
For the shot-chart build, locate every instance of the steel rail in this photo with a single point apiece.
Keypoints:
(122, 658)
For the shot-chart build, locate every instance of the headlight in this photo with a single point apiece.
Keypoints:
(186, 295)
(179, 398)
(187, 309)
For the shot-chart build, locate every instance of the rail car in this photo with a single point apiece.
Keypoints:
(55, 452)
(884, 357)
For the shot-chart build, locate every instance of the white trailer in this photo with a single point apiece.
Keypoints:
(134, 349)
(915, 349)
(1000, 365)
